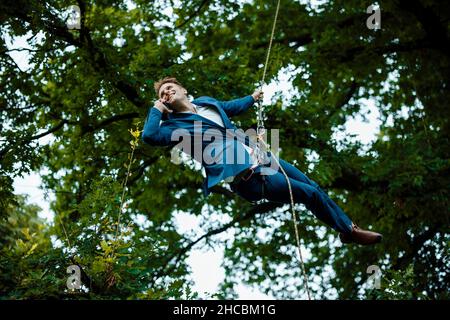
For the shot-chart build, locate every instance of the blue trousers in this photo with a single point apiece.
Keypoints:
(304, 191)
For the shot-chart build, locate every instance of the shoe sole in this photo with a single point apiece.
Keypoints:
(347, 241)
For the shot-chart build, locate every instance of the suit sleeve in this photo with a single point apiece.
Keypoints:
(237, 106)
(153, 133)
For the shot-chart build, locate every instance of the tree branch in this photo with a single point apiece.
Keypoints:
(55, 27)
(29, 139)
(250, 214)
(349, 94)
(141, 169)
(55, 128)
(415, 246)
(193, 15)
(106, 122)
(434, 30)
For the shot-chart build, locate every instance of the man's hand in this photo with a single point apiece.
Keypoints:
(257, 95)
(162, 107)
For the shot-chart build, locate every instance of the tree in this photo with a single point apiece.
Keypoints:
(30, 267)
(87, 87)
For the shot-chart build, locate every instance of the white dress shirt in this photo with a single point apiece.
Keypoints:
(212, 114)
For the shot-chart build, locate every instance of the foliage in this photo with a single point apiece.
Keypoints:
(400, 285)
(30, 268)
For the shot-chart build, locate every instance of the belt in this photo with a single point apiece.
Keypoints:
(243, 176)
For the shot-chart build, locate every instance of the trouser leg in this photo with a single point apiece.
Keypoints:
(296, 174)
(307, 192)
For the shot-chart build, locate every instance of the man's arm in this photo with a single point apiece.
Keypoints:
(153, 133)
(237, 106)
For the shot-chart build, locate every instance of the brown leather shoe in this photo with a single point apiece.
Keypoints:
(360, 236)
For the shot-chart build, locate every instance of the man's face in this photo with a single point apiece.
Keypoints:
(171, 93)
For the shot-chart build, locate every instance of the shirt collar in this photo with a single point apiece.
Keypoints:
(195, 106)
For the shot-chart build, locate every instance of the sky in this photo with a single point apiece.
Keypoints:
(205, 263)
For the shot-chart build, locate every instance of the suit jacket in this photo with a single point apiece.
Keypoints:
(230, 156)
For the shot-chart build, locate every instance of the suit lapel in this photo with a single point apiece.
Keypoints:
(191, 117)
(212, 102)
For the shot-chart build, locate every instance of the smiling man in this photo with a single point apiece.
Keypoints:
(248, 178)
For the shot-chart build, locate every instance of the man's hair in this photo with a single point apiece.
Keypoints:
(160, 82)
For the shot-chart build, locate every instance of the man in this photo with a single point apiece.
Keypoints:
(194, 120)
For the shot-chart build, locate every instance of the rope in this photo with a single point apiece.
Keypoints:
(260, 130)
(260, 110)
(270, 42)
(294, 219)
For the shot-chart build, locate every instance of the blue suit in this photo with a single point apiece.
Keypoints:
(162, 135)
(273, 187)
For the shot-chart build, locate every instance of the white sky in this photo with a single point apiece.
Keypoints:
(205, 263)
